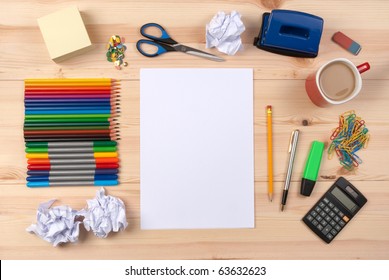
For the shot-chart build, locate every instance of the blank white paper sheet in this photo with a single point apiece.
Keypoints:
(196, 148)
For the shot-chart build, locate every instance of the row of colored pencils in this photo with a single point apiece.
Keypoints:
(71, 129)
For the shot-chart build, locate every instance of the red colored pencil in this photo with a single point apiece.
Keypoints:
(101, 91)
(55, 96)
(78, 87)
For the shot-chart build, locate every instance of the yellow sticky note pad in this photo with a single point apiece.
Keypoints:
(64, 33)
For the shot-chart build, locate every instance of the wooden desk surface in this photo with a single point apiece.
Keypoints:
(279, 81)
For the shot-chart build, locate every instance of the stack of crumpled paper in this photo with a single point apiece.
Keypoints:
(60, 224)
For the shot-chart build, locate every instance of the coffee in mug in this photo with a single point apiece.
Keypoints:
(336, 82)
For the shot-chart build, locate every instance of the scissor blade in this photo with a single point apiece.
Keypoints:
(196, 52)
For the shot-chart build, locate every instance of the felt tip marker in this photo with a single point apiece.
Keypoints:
(98, 183)
(312, 167)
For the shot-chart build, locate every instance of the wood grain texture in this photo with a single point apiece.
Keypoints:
(278, 81)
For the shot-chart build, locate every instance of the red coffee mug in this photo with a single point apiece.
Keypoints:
(316, 93)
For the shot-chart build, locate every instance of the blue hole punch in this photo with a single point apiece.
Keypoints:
(290, 33)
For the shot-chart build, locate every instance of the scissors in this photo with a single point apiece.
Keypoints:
(165, 43)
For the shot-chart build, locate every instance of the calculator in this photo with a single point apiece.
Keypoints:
(334, 210)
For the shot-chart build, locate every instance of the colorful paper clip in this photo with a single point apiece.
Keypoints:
(347, 139)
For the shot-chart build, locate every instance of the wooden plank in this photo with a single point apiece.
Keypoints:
(34, 61)
(321, 122)
(276, 236)
(23, 47)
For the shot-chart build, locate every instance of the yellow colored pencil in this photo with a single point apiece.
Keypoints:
(269, 151)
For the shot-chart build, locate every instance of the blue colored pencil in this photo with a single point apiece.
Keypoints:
(68, 108)
(67, 112)
(69, 124)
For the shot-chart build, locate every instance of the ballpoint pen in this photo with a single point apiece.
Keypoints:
(292, 152)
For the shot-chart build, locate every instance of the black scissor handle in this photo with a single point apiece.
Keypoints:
(164, 38)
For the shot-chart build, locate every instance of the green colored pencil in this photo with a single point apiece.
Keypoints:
(70, 124)
(59, 127)
(67, 120)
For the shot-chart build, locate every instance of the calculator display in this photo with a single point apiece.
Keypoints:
(347, 202)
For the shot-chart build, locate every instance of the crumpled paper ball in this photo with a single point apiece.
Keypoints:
(104, 214)
(56, 225)
(223, 32)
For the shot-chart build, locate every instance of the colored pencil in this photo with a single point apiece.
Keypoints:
(65, 107)
(65, 96)
(62, 127)
(67, 120)
(69, 134)
(73, 116)
(38, 91)
(44, 103)
(71, 172)
(48, 125)
(70, 100)
(72, 86)
(269, 151)
(71, 137)
(70, 129)
(75, 139)
(69, 112)
(101, 183)
(69, 81)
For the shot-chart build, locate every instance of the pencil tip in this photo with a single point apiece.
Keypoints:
(282, 207)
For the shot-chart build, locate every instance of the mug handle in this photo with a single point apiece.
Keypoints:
(363, 67)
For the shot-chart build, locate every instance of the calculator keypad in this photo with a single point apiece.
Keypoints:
(327, 218)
